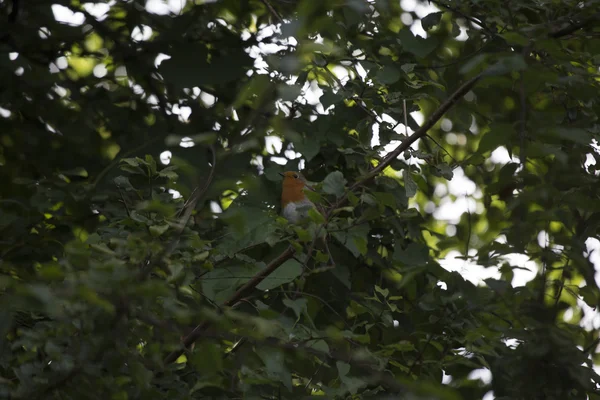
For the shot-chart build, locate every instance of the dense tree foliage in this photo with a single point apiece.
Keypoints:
(142, 255)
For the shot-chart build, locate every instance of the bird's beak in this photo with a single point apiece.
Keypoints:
(281, 174)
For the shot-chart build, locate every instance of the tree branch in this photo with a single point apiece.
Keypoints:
(567, 30)
(272, 10)
(474, 20)
(236, 297)
(406, 143)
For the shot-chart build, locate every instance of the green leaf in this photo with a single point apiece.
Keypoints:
(212, 382)
(576, 135)
(168, 172)
(431, 20)
(51, 272)
(506, 64)
(207, 358)
(498, 286)
(134, 162)
(403, 346)
(158, 230)
(316, 216)
(140, 374)
(415, 44)
(156, 206)
(77, 171)
(329, 98)
(383, 292)
(515, 38)
(355, 239)
(415, 254)
(342, 273)
(298, 305)
(589, 295)
(289, 92)
(474, 63)
(191, 65)
(313, 196)
(320, 345)
(343, 368)
(334, 183)
(499, 135)
(388, 75)
(287, 272)
(445, 171)
(309, 148)
(475, 159)
(352, 384)
(220, 283)
(274, 361)
(132, 165)
(410, 185)
(151, 163)
(123, 182)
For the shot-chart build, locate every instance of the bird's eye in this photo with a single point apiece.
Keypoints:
(296, 176)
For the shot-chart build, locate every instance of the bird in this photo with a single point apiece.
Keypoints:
(294, 203)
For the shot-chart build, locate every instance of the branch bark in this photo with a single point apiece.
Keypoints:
(419, 133)
(567, 30)
(236, 297)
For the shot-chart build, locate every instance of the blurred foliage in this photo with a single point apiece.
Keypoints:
(111, 251)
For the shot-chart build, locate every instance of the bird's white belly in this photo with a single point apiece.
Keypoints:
(294, 212)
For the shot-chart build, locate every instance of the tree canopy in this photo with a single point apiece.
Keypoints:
(142, 254)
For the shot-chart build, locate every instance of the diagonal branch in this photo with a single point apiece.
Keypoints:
(236, 297)
(272, 10)
(567, 30)
(406, 143)
(431, 121)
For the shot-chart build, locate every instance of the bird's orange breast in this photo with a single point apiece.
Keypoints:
(292, 192)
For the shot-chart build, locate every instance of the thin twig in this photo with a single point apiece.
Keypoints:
(470, 228)
(272, 10)
(523, 111)
(443, 149)
(124, 202)
(477, 21)
(357, 98)
(189, 208)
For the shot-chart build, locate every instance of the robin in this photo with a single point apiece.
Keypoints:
(294, 203)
